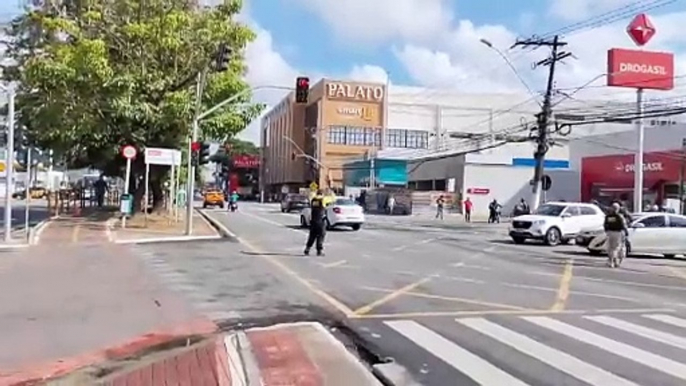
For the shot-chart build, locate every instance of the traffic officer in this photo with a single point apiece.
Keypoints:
(317, 226)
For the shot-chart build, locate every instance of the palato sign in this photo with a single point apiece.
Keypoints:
(351, 91)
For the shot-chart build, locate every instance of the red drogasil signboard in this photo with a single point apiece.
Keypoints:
(640, 69)
(245, 161)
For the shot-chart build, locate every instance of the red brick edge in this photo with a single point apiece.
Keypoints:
(33, 374)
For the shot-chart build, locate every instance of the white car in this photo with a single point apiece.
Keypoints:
(342, 211)
(556, 222)
(650, 233)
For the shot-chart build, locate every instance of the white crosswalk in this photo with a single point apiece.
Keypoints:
(661, 357)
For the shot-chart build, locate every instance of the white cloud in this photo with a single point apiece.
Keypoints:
(380, 21)
(368, 73)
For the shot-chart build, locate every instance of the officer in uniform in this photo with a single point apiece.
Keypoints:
(317, 226)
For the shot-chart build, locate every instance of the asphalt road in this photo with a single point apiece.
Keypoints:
(455, 305)
(38, 212)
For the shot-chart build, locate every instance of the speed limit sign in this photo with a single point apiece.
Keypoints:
(129, 152)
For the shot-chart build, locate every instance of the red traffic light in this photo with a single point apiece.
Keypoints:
(195, 146)
(303, 82)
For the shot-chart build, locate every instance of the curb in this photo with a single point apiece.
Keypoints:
(40, 373)
(35, 232)
(175, 239)
(216, 224)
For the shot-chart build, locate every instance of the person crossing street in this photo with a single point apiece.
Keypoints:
(615, 229)
(317, 224)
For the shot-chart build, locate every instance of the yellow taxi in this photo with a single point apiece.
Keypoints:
(213, 197)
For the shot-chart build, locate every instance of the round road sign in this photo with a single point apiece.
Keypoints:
(128, 152)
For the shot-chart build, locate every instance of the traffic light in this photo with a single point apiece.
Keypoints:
(204, 156)
(302, 89)
(293, 156)
(195, 153)
(223, 58)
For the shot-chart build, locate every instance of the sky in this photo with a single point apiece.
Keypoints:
(436, 43)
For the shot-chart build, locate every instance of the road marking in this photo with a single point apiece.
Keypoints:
(474, 367)
(463, 279)
(410, 315)
(392, 295)
(631, 283)
(469, 266)
(577, 293)
(562, 361)
(563, 290)
(648, 333)
(403, 247)
(668, 319)
(451, 299)
(335, 264)
(665, 365)
(335, 303)
(75, 233)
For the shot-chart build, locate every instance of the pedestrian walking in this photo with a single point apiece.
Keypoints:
(615, 230)
(317, 224)
(391, 204)
(440, 203)
(468, 204)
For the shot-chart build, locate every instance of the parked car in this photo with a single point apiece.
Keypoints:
(293, 201)
(342, 212)
(650, 233)
(556, 222)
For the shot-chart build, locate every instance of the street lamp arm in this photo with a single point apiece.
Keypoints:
(509, 63)
(239, 95)
(302, 152)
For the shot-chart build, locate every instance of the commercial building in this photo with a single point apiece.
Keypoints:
(462, 144)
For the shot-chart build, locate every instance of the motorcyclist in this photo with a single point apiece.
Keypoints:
(494, 211)
(233, 200)
(616, 229)
(317, 224)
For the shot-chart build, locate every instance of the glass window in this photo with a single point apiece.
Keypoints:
(550, 210)
(345, 202)
(355, 136)
(336, 135)
(677, 222)
(654, 221)
(573, 211)
(411, 139)
(587, 211)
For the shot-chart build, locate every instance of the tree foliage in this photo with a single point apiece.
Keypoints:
(93, 75)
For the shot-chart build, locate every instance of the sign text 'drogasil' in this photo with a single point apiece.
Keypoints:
(640, 69)
(358, 92)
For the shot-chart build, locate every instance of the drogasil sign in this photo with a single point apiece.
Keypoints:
(640, 69)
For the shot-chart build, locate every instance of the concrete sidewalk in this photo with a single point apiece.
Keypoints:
(301, 354)
(66, 306)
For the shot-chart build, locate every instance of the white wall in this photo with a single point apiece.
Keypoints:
(510, 184)
(657, 138)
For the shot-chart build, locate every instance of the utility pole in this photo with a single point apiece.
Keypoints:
(543, 118)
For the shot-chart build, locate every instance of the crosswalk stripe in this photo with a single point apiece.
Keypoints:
(645, 358)
(668, 319)
(548, 355)
(648, 333)
(476, 368)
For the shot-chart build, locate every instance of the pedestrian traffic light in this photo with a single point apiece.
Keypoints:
(204, 156)
(302, 89)
(223, 58)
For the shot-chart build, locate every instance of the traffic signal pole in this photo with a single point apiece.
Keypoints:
(9, 163)
(196, 133)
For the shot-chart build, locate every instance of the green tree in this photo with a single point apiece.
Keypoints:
(95, 75)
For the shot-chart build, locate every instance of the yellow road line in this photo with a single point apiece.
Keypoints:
(563, 290)
(347, 311)
(75, 234)
(335, 264)
(409, 315)
(366, 309)
(453, 299)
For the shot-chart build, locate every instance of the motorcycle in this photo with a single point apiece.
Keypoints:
(233, 206)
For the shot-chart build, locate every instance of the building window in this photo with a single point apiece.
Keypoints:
(354, 136)
(411, 139)
(337, 135)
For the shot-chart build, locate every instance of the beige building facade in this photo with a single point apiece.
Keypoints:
(309, 143)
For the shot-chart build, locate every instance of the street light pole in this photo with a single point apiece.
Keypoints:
(638, 158)
(196, 129)
(9, 163)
